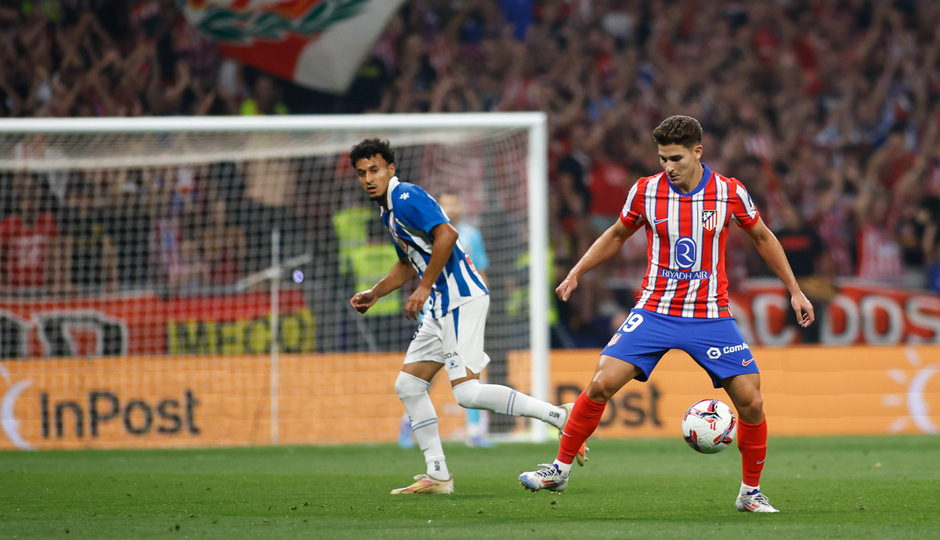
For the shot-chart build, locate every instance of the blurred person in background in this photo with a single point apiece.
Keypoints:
(265, 97)
(224, 245)
(87, 247)
(811, 265)
(129, 223)
(31, 259)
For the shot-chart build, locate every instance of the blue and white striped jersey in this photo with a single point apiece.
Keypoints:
(411, 215)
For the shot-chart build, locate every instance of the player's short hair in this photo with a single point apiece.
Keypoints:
(372, 147)
(679, 129)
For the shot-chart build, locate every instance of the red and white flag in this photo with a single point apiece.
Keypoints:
(315, 43)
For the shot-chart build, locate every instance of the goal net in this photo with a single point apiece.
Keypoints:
(174, 282)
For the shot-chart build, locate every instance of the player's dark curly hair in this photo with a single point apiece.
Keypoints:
(679, 129)
(371, 147)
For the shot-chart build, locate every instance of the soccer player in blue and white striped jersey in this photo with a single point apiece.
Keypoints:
(451, 333)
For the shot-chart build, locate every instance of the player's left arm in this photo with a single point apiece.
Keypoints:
(770, 249)
(445, 238)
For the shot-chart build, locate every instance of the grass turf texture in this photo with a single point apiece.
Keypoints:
(844, 487)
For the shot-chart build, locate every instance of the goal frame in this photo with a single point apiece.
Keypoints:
(533, 123)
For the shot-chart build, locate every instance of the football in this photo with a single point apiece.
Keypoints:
(709, 426)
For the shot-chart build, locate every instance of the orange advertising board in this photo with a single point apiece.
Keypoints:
(350, 398)
(185, 401)
(181, 401)
(136, 402)
(806, 390)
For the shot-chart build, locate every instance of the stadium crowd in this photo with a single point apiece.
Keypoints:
(828, 110)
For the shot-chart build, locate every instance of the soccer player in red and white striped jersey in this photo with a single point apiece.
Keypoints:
(686, 212)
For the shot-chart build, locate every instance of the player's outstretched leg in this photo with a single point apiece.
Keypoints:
(549, 477)
(473, 394)
(425, 484)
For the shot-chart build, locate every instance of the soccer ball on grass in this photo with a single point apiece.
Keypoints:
(709, 426)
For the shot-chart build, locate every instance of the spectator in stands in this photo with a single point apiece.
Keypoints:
(916, 211)
(129, 227)
(265, 98)
(811, 265)
(470, 237)
(833, 211)
(386, 329)
(929, 218)
(224, 246)
(453, 93)
(91, 261)
(191, 274)
(573, 195)
(411, 89)
(933, 271)
(879, 254)
(170, 213)
(30, 256)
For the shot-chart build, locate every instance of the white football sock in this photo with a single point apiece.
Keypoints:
(413, 393)
(502, 399)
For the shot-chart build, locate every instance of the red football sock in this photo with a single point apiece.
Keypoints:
(752, 442)
(585, 416)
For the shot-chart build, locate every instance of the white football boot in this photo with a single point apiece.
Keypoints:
(753, 501)
(549, 478)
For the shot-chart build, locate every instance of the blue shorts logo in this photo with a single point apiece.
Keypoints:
(685, 253)
(713, 352)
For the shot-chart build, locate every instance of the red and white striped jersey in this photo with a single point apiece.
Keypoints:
(686, 235)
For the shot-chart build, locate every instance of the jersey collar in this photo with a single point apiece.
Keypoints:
(392, 184)
(706, 176)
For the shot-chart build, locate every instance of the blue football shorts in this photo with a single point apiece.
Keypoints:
(715, 344)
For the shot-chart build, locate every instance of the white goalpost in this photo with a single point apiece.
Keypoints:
(182, 281)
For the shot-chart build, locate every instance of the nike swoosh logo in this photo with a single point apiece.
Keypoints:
(746, 362)
(658, 221)
(759, 462)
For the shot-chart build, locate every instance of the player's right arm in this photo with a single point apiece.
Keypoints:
(606, 245)
(400, 274)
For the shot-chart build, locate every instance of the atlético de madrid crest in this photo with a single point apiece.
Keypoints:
(709, 219)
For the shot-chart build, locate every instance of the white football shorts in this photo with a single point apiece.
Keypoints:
(455, 340)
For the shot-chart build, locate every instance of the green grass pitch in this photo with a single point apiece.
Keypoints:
(839, 487)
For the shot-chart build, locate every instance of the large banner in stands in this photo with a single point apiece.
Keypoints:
(144, 324)
(186, 401)
(857, 314)
(316, 43)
